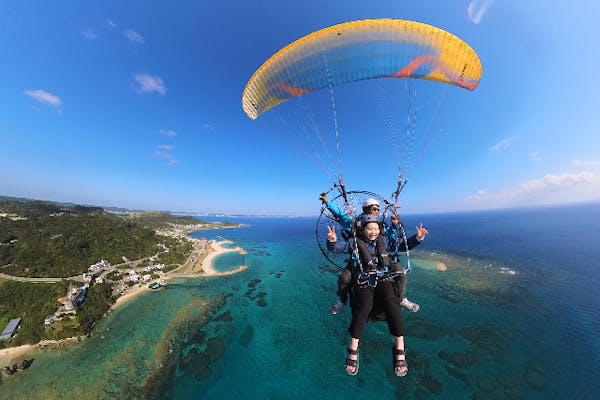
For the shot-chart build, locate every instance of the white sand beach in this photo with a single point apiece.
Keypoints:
(12, 353)
(219, 249)
(201, 268)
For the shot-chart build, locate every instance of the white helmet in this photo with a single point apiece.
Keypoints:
(370, 202)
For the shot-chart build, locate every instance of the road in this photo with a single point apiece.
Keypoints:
(77, 278)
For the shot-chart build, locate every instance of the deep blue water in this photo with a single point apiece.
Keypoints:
(516, 315)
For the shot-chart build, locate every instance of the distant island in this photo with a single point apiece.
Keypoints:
(62, 266)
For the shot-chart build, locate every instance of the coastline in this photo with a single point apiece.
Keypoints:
(218, 249)
(200, 268)
(11, 353)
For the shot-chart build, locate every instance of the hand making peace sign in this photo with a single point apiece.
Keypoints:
(331, 236)
(421, 232)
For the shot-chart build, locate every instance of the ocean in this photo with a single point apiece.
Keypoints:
(514, 315)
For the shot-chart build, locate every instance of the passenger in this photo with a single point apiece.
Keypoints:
(369, 207)
(369, 286)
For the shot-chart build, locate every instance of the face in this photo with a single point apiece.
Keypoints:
(373, 210)
(371, 230)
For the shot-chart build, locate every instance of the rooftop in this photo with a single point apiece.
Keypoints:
(10, 329)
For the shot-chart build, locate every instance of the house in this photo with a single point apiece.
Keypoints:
(81, 295)
(11, 329)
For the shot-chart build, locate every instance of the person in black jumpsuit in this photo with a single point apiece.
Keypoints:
(365, 294)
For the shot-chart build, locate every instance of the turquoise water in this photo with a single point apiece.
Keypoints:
(228, 261)
(514, 316)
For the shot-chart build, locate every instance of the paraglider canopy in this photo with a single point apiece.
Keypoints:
(359, 50)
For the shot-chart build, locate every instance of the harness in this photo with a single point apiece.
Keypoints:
(376, 267)
(368, 261)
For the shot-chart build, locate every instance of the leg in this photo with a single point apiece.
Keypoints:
(344, 285)
(401, 282)
(395, 325)
(352, 359)
(361, 307)
(343, 288)
(400, 364)
(387, 296)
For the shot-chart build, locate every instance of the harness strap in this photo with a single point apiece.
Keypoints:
(372, 278)
(370, 261)
(355, 252)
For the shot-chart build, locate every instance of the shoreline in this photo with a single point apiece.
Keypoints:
(9, 354)
(218, 249)
(201, 268)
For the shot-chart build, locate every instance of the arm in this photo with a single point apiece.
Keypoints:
(333, 245)
(340, 216)
(339, 247)
(412, 241)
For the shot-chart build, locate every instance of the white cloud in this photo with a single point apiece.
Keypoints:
(550, 183)
(149, 84)
(587, 163)
(164, 153)
(110, 24)
(535, 156)
(503, 144)
(133, 36)
(477, 9)
(44, 97)
(168, 132)
(549, 189)
(208, 126)
(89, 33)
(479, 195)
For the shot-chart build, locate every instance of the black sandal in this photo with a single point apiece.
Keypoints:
(352, 363)
(399, 363)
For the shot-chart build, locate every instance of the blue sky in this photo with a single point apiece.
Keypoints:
(138, 105)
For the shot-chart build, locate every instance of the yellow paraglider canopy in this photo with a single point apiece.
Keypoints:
(358, 50)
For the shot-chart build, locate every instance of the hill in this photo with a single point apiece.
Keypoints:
(44, 239)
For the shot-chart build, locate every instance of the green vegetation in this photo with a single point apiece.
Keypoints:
(179, 250)
(48, 240)
(42, 239)
(32, 302)
(65, 246)
(157, 219)
(98, 301)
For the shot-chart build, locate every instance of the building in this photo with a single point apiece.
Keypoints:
(11, 329)
(80, 297)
